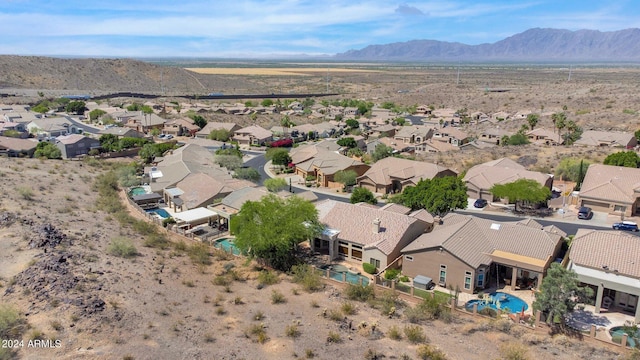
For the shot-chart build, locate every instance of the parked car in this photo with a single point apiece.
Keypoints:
(168, 137)
(162, 136)
(480, 203)
(626, 225)
(585, 213)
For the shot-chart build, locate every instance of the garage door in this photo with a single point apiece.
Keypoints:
(596, 205)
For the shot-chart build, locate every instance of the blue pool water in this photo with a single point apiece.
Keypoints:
(139, 190)
(337, 271)
(161, 212)
(227, 245)
(616, 335)
(499, 301)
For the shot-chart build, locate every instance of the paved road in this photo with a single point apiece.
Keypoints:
(81, 125)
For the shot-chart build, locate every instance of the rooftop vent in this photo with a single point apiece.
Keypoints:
(495, 226)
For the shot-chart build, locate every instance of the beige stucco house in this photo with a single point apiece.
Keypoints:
(391, 175)
(611, 189)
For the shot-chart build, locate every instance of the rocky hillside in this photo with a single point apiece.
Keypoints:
(531, 45)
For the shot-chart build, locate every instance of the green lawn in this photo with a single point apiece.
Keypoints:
(440, 296)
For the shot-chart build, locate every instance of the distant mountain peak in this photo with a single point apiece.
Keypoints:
(537, 44)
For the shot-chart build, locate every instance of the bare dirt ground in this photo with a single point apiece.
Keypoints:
(160, 305)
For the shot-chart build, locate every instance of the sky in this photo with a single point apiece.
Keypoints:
(281, 28)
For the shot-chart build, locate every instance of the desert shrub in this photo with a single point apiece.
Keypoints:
(12, 324)
(359, 292)
(222, 280)
(391, 274)
(122, 247)
(415, 334)
(394, 333)
(430, 352)
(277, 297)
(268, 278)
(25, 192)
(334, 337)
(371, 354)
(634, 354)
(257, 332)
(199, 254)
(431, 308)
(307, 277)
(503, 325)
(56, 325)
(335, 315)
(369, 268)
(387, 302)
(292, 331)
(156, 241)
(348, 308)
(259, 315)
(487, 311)
(404, 278)
(309, 354)
(514, 351)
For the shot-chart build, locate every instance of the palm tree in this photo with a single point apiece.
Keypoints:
(559, 121)
(533, 119)
(286, 123)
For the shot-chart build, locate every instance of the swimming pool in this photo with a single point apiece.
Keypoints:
(227, 245)
(160, 212)
(138, 190)
(617, 332)
(337, 271)
(499, 301)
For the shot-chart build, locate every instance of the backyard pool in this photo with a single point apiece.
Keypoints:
(139, 190)
(227, 245)
(618, 331)
(160, 212)
(338, 272)
(499, 301)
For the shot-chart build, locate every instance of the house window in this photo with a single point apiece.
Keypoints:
(409, 258)
(467, 280)
(481, 278)
(619, 208)
(356, 246)
(356, 254)
(443, 275)
(374, 262)
(343, 251)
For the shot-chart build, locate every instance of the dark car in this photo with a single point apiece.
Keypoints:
(626, 225)
(585, 213)
(480, 203)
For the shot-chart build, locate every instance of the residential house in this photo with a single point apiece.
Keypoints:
(19, 129)
(144, 123)
(413, 134)
(423, 109)
(480, 178)
(230, 127)
(179, 163)
(392, 175)
(180, 127)
(121, 132)
(611, 189)
(231, 204)
(196, 190)
(15, 147)
(324, 164)
(476, 145)
(500, 116)
(544, 136)
(51, 127)
(76, 145)
(435, 146)
(386, 130)
(607, 261)
(469, 253)
(252, 135)
(607, 138)
(362, 233)
(521, 114)
(479, 117)
(397, 146)
(451, 135)
(493, 135)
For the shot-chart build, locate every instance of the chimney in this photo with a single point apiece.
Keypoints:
(376, 226)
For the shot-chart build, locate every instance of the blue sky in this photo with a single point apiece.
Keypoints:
(271, 28)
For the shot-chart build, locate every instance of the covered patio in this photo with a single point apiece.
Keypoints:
(517, 271)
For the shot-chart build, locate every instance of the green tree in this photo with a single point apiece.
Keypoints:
(438, 195)
(352, 123)
(623, 158)
(199, 121)
(151, 151)
(361, 194)
(637, 134)
(355, 152)
(347, 142)
(109, 142)
(570, 168)
(250, 174)
(286, 123)
(346, 177)
(522, 191)
(278, 156)
(532, 120)
(400, 121)
(47, 150)
(230, 162)
(266, 102)
(381, 151)
(515, 139)
(230, 150)
(12, 133)
(275, 184)
(388, 105)
(559, 294)
(559, 121)
(272, 228)
(95, 114)
(41, 108)
(76, 107)
(219, 135)
(574, 132)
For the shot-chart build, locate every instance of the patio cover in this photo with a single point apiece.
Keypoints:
(195, 215)
(143, 197)
(519, 261)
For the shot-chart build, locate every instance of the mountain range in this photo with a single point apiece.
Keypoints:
(532, 45)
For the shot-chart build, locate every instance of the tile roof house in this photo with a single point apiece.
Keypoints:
(252, 135)
(324, 164)
(180, 127)
(196, 190)
(76, 145)
(51, 127)
(230, 127)
(480, 178)
(451, 135)
(493, 135)
(142, 122)
(122, 132)
(608, 262)
(611, 189)
(413, 134)
(360, 233)
(176, 165)
(391, 175)
(544, 136)
(607, 138)
(13, 147)
(468, 252)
